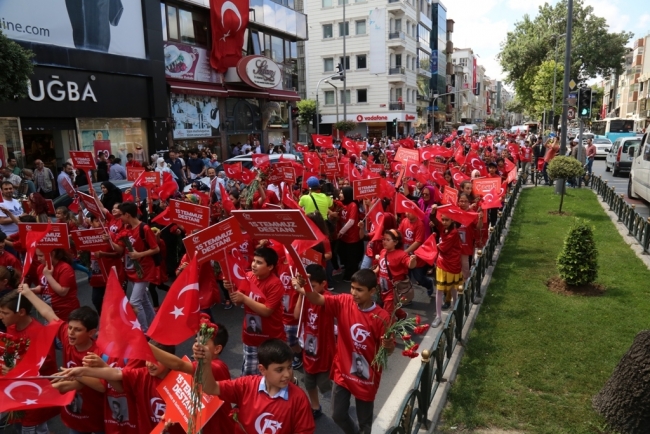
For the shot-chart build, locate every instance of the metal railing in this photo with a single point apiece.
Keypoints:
(412, 414)
(396, 70)
(397, 35)
(396, 105)
(637, 226)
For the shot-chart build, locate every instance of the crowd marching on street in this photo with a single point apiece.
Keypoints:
(387, 216)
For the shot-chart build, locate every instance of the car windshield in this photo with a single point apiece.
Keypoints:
(602, 142)
(629, 143)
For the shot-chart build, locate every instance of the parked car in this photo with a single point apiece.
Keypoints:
(247, 160)
(602, 147)
(65, 200)
(618, 159)
(638, 186)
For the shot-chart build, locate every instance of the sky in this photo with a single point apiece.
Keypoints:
(483, 24)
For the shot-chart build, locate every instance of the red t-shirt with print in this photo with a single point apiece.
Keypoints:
(261, 329)
(63, 273)
(350, 212)
(149, 269)
(318, 338)
(411, 231)
(467, 235)
(398, 260)
(140, 388)
(220, 422)
(449, 251)
(86, 411)
(290, 296)
(120, 412)
(9, 260)
(259, 413)
(360, 333)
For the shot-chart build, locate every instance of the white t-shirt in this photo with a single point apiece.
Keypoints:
(245, 148)
(16, 209)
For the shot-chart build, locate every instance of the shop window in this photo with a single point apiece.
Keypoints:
(362, 95)
(361, 61)
(328, 64)
(327, 31)
(122, 135)
(360, 27)
(329, 97)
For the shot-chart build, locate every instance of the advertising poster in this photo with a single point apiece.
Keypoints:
(187, 62)
(108, 26)
(195, 116)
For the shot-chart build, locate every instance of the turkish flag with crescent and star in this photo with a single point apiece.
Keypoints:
(404, 204)
(229, 19)
(31, 241)
(321, 141)
(18, 394)
(428, 251)
(120, 333)
(177, 319)
(32, 361)
(465, 218)
(236, 271)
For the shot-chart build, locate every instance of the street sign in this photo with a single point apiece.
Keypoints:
(572, 84)
(571, 113)
(572, 99)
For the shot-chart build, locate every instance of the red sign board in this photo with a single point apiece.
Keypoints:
(482, 186)
(176, 390)
(212, 242)
(450, 196)
(133, 173)
(282, 174)
(375, 168)
(364, 188)
(91, 240)
(83, 160)
(56, 238)
(92, 205)
(68, 187)
(405, 154)
(189, 215)
(437, 167)
(284, 226)
(311, 256)
(149, 180)
(331, 165)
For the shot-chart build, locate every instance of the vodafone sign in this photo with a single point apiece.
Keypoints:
(373, 117)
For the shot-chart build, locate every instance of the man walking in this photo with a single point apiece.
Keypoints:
(43, 180)
(591, 155)
(66, 174)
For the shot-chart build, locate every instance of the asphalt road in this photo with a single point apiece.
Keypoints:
(620, 182)
(232, 355)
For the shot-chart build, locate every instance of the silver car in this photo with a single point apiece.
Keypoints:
(602, 147)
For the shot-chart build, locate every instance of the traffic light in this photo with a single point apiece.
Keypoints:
(395, 122)
(341, 72)
(320, 119)
(584, 103)
(294, 112)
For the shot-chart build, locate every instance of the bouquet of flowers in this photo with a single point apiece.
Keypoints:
(13, 350)
(207, 330)
(402, 328)
(125, 237)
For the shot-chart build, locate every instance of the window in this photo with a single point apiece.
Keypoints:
(413, 63)
(185, 26)
(360, 27)
(341, 2)
(347, 96)
(347, 61)
(398, 25)
(361, 61)
(398, 60)
(327, 3)
(398, 93)
(362, 95)
(328, 64)
(327, 31)
(329, 97)
(408, 27)
(347, 29)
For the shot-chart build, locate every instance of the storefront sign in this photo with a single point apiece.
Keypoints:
(259, 71)
(212, 242)
(195, 116)
(379, 118)
(365, 188)
(57, 90)
(189, 215)
(187, 62)
(285, 226)
(114, 27)
(91, 240)
(56, 238)
(83, 160)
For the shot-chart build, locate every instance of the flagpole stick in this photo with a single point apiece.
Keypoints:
(302, 303)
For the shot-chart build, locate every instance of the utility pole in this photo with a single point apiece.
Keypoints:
(554, 83)
(346, 28)
(560, 186)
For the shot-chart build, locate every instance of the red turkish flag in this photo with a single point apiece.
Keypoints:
(412, 169)
(465, 218)
(120, 333)
(377, 228)
(396, 166)
(428, 251)
(225, 199)
(312, 162)
(20, 394)
(458, 176)
(491, 200)
(354, 174)
(37, 352)
(321, 141)
(350, 146)
(287, 199)
(74, 206)
(177, 319)
(385, 189)
(474, 162)
(233, 170)
(372, 216)
(510, 166)
(301, 148)
(236, 271)
(168, 187)
(229, 19)
(403, 204)
(261, 161)
(247, 176)
(162, 218)
(31, 242)
(459, 155)
(302, 246)
(512, 176)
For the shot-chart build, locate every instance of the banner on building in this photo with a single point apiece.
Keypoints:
(377, 33)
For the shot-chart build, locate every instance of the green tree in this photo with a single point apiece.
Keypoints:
(578, 260)
(562, 168)
(542, 89)
(595, 51)
(306, 112)
(15, 69)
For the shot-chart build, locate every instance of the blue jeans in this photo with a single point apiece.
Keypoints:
(366, 262)
(590, 162)
(142, 305)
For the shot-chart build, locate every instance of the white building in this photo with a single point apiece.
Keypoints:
(384, 58)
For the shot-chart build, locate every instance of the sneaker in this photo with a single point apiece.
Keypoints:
(297, 361)
(317, 413)
(446, 306)
(436, 322)
(430, 292)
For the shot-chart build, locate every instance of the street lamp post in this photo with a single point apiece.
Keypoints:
(554, 82)
(559, 187)
(346, 28)
(317, 106)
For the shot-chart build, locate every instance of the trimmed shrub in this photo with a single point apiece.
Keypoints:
(578, 260)
(565, 168)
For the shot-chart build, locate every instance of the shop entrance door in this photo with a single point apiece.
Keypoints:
(49, 140)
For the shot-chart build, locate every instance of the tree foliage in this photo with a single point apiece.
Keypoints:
(542, 89)
(345, 126)
(306, 111)
(15, 69)
(562, 168)
(578, 260)
(594, 50)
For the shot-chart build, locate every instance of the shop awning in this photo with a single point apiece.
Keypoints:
(188, 87)
(283, 95)
(235, 91)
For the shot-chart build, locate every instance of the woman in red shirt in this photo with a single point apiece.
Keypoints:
(448, 267)
(394, 265)
(58, 284)
(351, 246)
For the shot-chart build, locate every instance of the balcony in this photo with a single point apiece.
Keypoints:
(396, 105)
(396, 7)
(426, 21)
(397, 74)
(397, 35)
(397, 70)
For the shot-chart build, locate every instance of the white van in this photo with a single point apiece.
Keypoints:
(639, 183)
(473, 127)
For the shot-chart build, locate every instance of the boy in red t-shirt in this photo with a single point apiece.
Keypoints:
(262, 306)
(85, 413)
(267, 403)
(413, 234)
(20, 324)
(317, 337)
(361, 325)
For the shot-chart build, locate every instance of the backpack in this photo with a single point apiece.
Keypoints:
(157, 257)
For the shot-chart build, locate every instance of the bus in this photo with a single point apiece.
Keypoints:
(613, 128)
